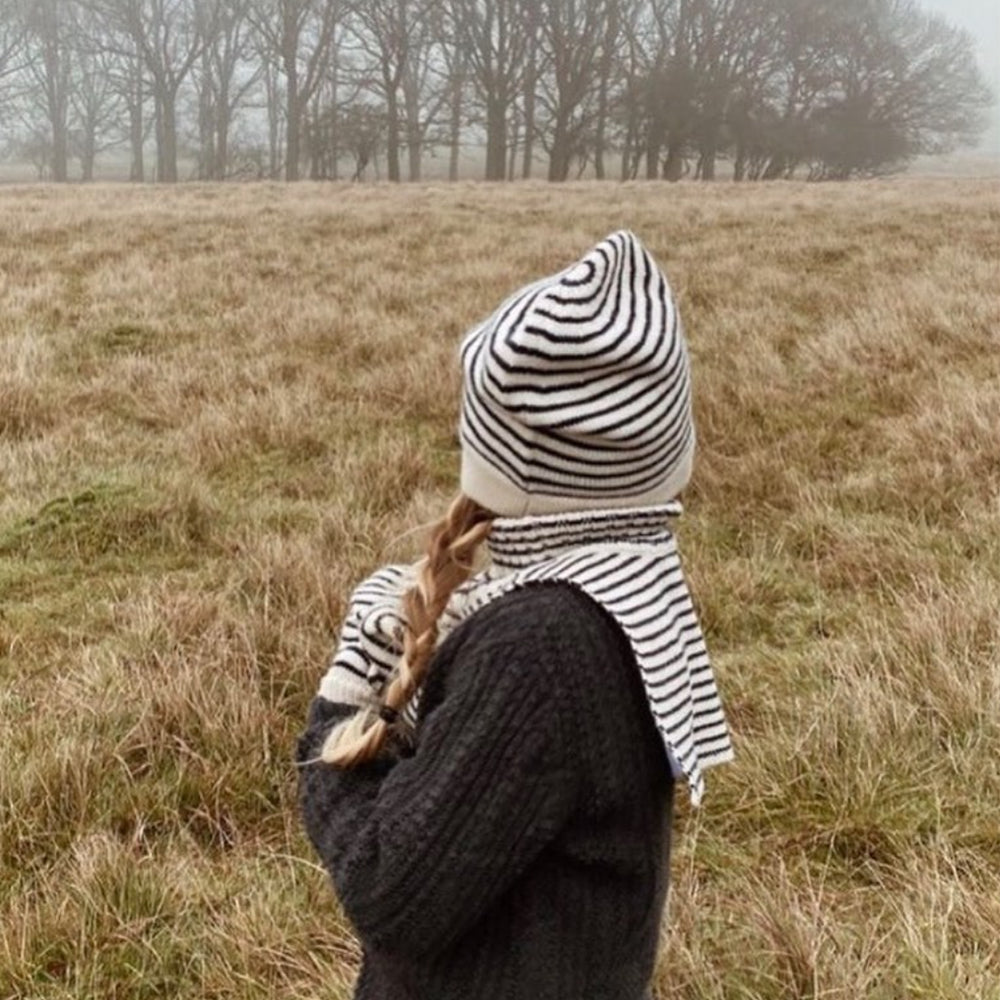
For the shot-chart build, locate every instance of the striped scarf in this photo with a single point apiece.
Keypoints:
(626, 561)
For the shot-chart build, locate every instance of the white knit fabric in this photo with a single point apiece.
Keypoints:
(371, 638)
(577, 391)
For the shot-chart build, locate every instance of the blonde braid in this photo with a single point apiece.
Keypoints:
(448, 563)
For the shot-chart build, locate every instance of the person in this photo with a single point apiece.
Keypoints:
(488, 769)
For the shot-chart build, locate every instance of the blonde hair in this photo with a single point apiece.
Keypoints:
(448, 563)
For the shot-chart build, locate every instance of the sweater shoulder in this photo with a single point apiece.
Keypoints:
(552, 621)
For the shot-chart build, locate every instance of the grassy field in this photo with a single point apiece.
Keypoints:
(219, 406)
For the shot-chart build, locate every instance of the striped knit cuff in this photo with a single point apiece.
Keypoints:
(345, 687)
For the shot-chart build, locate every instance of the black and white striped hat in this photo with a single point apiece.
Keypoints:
(577, 391)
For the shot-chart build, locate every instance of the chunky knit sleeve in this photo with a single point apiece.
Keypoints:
(420, 847)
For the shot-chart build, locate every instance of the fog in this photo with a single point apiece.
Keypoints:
(768, 89)
(982, 19)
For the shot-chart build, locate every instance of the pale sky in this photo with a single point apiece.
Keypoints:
(982, 18)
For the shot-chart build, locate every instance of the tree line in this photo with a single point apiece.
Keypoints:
(828, 89)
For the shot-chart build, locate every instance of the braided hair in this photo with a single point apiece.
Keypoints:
(447, 564)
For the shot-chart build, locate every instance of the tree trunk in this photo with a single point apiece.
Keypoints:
(530, 83)
(88, 154)
(222, 142)
(60, 151)
(708, 144)
(60, 138)
(168, 126)
(560, 154)
(529, 133)
(455, 127)
(158, 134)
(654, 109)
(631, 151)
(293, 142)
(654, 147)
(56, 97)
(706, 163)
(137, 170)
(600, 130)
(273, 121)
(206, 123)
(333, 150)
(775, 168)
(314, 142)
(293, 123)
(740, 162)
(673, 166)
(392, 137)
(414, 139)
(496, 140)
(602, 96)
(514, 137)
(223, 122)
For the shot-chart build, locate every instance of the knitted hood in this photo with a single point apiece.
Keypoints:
(577, 391)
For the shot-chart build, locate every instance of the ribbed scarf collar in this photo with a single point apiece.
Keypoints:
(516, 543)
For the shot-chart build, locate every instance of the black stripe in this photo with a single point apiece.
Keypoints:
(667, 343)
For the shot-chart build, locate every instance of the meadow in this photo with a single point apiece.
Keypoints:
(220, 406)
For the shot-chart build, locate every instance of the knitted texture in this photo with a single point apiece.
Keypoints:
(371, 638)
(577, 391)
(516, 854)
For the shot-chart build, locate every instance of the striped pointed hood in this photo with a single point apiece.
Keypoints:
(577, 391)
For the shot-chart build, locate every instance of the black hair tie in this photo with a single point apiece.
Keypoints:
(388, 714)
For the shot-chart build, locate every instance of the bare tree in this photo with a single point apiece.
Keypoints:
(494, 34)
(609, 62)
(426, 85)
(272, 87)
(455, 63)
(49, 63)
(97, 97)
(12, 52)
(574, 36)
(299, 34)
(11, 36)
(734, 56)
(907, 83)
(529, 99)
(341, 120)
(807, 70)
(649, 61)
(397, 37)
(362, 130)
(628, 113)
(168, 37)
(838, 88)
(105, 34)
(227, 74)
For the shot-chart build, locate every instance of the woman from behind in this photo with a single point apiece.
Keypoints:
(489, 764)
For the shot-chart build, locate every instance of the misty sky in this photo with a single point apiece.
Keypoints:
(982, 18)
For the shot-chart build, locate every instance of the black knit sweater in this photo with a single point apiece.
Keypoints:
(521, 852)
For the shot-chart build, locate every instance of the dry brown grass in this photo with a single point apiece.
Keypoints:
(220, 405)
